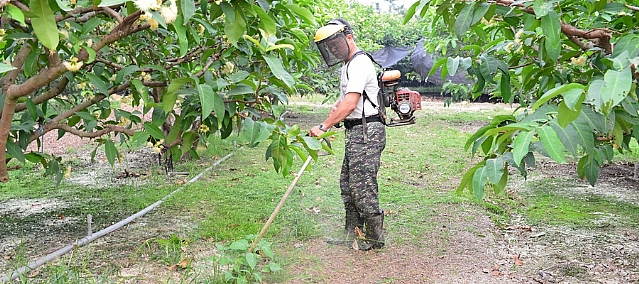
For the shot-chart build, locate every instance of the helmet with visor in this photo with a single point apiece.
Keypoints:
(331, 42)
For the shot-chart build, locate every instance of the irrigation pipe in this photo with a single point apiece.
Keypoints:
(35, 264)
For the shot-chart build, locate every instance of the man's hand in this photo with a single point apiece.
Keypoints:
(315, 131)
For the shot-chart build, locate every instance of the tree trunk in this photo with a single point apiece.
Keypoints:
(5, 127)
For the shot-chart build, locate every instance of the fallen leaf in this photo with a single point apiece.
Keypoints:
(184, 263)
(496, 273)
(60, 216)
(518, 261)
(359, 233)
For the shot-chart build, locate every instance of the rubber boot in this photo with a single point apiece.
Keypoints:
(374, 226)
(353, 220)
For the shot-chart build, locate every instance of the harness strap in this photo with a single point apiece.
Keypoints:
(366, 97)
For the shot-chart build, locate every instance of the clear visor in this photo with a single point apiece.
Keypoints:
(334, 49)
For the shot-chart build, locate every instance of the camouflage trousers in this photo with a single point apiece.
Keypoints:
(358, 177)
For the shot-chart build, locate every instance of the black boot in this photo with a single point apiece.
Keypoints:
(374, 226)
(353, 220)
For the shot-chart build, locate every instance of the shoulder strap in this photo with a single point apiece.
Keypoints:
(359, 53)
(378, 79)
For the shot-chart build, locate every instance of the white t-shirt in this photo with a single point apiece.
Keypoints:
(361, 76)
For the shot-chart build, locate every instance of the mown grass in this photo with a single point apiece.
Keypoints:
(421, 168)
(551, 202)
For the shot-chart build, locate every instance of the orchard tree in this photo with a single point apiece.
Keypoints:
(196, 68)
(572, 66)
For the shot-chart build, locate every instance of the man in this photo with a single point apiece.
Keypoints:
(365, 133)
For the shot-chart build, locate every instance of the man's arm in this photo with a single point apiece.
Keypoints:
(344, 108)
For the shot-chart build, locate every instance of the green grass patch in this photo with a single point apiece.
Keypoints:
(551, 202)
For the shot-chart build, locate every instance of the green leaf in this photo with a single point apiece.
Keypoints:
(588, 168)
(464, 19)
(180, 29)
(495, 169)
(616, 84)
(207, 100)
(238, 76)
(542, 7)
(128, 70)
(479, 12)
(240, 89)
(234, 28)
(521, 145)
(574, 97)
(568, 137)
(565, 115)
(452, 64)
(595, 94)
(33, 110)
(479, 182)
(44, 24)
(110, 151)
(251, 259)
(504, 84)
(15, 151)
(106, 3)
(16, 14)
(278, 70)
(303, 13)
(254, 132)
(153, 130)
(240, 246)
(187, 8)
(550, 94)
(488, 67)
(98, 83)
(551, 26)
(466, 180)
(266, 22)
(551, 143)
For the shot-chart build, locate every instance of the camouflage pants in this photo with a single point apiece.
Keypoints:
(358, 178)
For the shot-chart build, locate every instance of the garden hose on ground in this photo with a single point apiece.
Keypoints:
(35, 264)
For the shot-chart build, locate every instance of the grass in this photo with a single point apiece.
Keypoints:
(550, 201)
(421, 167)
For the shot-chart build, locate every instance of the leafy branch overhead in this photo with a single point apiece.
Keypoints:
(195, 68)
(571, 66)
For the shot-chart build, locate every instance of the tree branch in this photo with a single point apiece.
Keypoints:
(83, 134)
(113, 13)
(599, 37)
(632, 8)
(52, 93)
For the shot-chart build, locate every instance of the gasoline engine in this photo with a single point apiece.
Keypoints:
(402, 101)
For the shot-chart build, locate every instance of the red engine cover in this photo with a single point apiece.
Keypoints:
(407, 95)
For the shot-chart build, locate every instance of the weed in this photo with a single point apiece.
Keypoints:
(238, 264)
(172, 248)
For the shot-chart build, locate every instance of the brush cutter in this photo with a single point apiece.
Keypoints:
(288, 192)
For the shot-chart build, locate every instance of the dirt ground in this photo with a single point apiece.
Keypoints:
(461, 250)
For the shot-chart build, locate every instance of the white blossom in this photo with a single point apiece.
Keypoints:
(168, 13)
(73, 64)
(145, 5)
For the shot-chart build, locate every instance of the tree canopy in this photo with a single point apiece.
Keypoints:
(570, 64)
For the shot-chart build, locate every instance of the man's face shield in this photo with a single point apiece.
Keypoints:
(334, 49)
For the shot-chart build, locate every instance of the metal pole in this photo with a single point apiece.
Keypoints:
(279, 205)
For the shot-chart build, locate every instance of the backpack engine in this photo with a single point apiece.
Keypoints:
(402, 101)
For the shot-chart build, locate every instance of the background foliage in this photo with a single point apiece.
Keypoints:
(571, 64)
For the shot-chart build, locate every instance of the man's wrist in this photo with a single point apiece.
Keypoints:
(321, 127)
